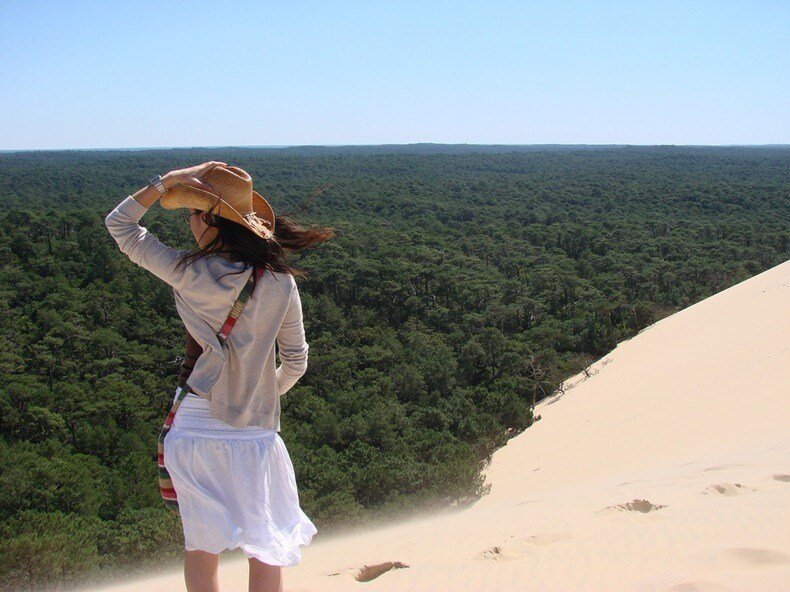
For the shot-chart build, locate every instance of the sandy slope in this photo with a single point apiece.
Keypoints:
(691, 416)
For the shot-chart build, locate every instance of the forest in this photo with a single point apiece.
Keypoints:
(464, 285)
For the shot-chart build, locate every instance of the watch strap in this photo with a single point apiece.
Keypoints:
(157, 182)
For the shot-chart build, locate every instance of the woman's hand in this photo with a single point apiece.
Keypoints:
(191, 176)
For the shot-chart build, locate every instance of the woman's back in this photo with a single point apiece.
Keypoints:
(240, 378)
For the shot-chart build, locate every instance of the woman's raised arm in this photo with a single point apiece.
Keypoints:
(136, 242)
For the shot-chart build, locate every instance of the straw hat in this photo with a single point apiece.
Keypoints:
(233, 198)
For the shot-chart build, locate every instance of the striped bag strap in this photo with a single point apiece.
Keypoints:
(165, 482)
(241, 301)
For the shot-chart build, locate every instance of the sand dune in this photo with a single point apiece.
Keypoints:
(666, 469)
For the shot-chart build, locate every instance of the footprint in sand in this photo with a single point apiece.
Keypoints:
(498, 553)
(753, 558)
(522, 547)
(727, 489)
(368, 573)
(637, 505)
(781, 477)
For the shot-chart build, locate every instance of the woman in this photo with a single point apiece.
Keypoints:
(228, 464)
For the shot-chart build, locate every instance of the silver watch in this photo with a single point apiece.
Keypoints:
(157, 182)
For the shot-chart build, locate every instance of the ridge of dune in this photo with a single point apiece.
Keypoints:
(664, 467)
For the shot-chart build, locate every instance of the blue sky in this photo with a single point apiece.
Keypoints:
(116, 74)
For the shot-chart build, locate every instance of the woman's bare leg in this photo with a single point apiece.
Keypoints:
(265, 577)
(200, 571)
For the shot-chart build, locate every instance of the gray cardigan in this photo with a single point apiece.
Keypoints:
(240, 378)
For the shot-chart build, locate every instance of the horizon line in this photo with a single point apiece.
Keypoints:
(281, 146)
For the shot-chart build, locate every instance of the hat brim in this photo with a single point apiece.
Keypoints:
(187, 196)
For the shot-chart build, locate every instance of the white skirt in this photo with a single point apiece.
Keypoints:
(236, 487)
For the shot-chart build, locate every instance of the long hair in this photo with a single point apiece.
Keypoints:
(244, 245)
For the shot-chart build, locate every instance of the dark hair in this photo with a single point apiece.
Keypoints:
(244, 245)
